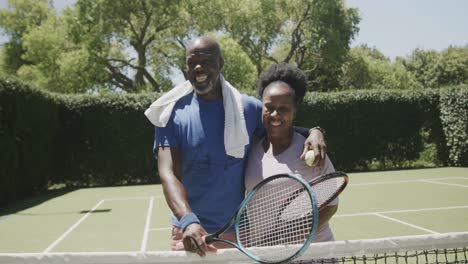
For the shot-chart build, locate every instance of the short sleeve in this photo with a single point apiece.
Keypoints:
(259, 131)
(165, 136)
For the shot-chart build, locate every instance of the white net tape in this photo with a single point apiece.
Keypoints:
(316, 251)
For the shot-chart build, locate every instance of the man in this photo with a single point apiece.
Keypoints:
(204, 129)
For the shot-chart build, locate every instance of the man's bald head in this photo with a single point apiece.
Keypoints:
(204, 65)
(204, 44)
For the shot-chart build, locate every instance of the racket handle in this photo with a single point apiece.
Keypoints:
(209, 239)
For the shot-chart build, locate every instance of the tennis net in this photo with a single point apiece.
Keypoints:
(438, 248)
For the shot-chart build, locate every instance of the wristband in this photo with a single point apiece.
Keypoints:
(188, 219)
(319, 129)
(174, 221)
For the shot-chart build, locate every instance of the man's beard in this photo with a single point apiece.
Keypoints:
(211, 85)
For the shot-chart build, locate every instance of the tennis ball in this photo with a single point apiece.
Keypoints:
(309, 158)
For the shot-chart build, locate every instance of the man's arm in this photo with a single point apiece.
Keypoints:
(169, 168)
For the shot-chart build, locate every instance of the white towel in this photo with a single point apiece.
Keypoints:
(160, 110)
(235, 130)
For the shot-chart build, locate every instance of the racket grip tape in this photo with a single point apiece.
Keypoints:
(188, 219)
(209, 239)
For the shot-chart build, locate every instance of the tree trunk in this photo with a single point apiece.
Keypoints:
(140, 76)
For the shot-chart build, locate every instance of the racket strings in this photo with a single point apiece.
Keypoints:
(279, 213)
(328, 189)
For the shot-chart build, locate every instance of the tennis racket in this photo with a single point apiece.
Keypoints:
(325, 188)
(328, 186)
(279, 211)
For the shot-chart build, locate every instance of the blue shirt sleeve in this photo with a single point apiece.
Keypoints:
(259, 131)
(165, 136)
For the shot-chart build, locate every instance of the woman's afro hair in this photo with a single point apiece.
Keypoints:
(283, 72)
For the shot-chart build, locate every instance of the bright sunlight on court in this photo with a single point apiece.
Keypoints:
(136, 218)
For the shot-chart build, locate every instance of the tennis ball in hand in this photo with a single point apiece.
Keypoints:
(309, 158)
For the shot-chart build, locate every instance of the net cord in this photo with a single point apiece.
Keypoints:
(316, 250)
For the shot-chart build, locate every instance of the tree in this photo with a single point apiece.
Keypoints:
(437, 69)
(316, 37)
(453, 66)
(238, 69)
(135, 45)
(355, 70)
(368, 68)
(15, 21)
(3, 67)
(2, 61)
(312, 34)
(56, 63)
(423, 65)
(253, 24)
(387, 75)
(112, 29)
(115, 45)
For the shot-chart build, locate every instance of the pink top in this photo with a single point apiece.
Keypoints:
(262, 165)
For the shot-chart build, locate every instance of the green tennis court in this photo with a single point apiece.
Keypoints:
(136, 218)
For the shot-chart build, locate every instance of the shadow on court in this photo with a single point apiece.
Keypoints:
(23, 204)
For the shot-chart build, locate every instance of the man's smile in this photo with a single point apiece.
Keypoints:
(201, 78)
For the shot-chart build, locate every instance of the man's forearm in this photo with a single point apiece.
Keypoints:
(176, 197)
(169, 168)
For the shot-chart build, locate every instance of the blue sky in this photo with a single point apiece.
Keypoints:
(396, 27)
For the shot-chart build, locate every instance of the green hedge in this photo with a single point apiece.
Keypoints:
(368, 126)
(28, 122)
(106, 139)
(454, 117)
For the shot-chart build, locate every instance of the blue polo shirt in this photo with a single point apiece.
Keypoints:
(213, 180)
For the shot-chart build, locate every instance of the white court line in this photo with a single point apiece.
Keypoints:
(160, 229)
(405, 223)
(445, 183)
(404, 211)
(49, 248)
(134, 198)
(406, 181)
(148, 221)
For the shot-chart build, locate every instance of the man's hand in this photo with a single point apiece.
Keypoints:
(193, 240)
(316, 142)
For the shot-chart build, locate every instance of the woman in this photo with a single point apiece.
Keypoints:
(282, 88)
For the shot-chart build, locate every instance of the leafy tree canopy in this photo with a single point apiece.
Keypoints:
(136, 46)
